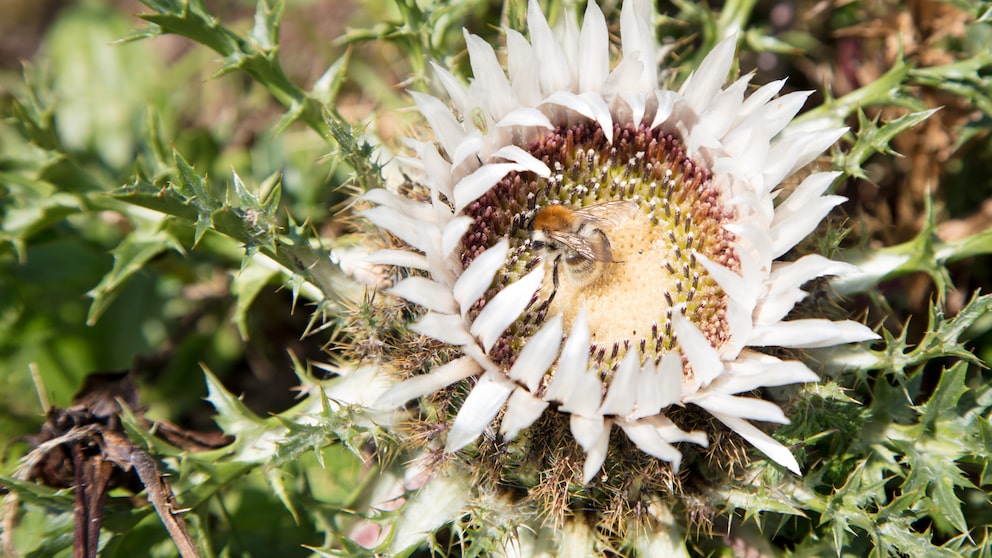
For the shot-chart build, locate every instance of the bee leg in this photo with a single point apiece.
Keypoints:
(554, 279)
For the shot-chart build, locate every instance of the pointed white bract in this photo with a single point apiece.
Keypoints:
(557, 79)
(478, 410)
(505, 308)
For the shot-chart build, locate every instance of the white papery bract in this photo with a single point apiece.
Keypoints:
(695, 286)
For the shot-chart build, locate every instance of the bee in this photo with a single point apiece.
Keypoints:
(574, 239)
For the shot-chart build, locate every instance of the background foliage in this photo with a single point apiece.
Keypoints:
(173, 197)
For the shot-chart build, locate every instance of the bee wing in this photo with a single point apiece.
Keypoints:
(580, 246)
(607, 215)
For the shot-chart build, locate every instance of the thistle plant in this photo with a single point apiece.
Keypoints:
(530, 279)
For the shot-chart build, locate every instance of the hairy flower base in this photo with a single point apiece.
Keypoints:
(541, 473)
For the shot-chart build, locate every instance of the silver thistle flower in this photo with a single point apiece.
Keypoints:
(692, 285)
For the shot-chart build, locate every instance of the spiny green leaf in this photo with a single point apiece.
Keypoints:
(887, 90)
(38, 493)
(925, 253)
(944, 400)
(281, 438)
(983, 448)
(248, 54)
(265, 33)
(358, 153)
(251, 220)
(301, 438)
(963, 78)
(932, 448)
(942, 339)
(932, 480)
(202, 475)
(130, 256)
(755, 500)
(950, 332)
(21, 223)
(978, 244)
(50, 530)
(255, 220)
(190, 18)
(872, 139)
(333, 423)
(270, 196)
(824, 410)
(899, 539)
(246, 285)
(165, 200)
(36, 123)
(194, 188)
(146, 438)
(275, 477)
(232, 416)
(326, 88)
(845, 509)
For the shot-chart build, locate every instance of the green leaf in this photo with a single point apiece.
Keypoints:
(984, 448)
(326, 88)
(194, 189)
(39, 494)
(249, 218)
(926, 253)
(253, 218)
(255, 54)
(265, 33)
(165, 200)
(21, 223)
(233, 416)
(943, 338)
(978, 244)
(37, 123)
(945, 398)
(274, 476)
(302, 438)
(872, 139)
(901, 540)
(130, 256)
(965, 78)
(44, 531)
(357, 152)
(755, 500)
(68, 175)
(100, 88)
(887, 90)
(190, 18)
(246, 285)
(934, 473)
(932, 447)
(438, 502)
(761, 40)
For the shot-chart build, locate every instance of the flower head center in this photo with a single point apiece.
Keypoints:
(618, 225)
